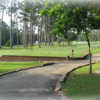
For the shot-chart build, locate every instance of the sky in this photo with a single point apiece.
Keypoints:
(7, 19)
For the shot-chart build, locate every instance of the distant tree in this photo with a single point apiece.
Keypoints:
(3, 6)
(5, 32)
(48, 21)
(29, 13)
(70, 36)
(11, 24)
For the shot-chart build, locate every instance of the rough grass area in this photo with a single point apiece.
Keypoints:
(11, 66)
(82, 86)
(80, 49)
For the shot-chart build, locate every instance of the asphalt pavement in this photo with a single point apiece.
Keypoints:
(39, 83)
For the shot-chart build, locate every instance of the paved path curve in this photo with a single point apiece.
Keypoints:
(37, 84)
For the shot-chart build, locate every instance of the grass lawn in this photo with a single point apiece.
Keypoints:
(10, 66)
(82, 86)
(80, 48)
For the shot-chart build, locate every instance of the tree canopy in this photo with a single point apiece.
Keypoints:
(73, 16)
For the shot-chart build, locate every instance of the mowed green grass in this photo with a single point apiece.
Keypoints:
(11, 66)
(80, 48)
(82, 86)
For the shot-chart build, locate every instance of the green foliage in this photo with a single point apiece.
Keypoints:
(7, 43)
(43, 12)
(6, 35)
(5, 32)
(79, 16)
(70, 36)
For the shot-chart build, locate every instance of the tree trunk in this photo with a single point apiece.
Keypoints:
(31, 34)
(48, 30)
(0, 34)
(41, 29)
(17, 36)
(39, 25)
(11, 35)
(90, 55)
(17, 33)
(39, 36)
(24, 35)
(45, 30)
(1, 28)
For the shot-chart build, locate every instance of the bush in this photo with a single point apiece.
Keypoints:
(7, 43)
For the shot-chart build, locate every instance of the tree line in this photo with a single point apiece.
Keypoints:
(47, 21)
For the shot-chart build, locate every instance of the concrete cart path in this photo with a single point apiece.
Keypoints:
(37, 84)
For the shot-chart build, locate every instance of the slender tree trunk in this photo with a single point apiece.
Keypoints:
(90, 55)
(24, 35)
(11, 35)
(51, 21)
(45, 30)
(52, 40)
(1, 28)
(17, 36)
(31, 34)
(39, 36)
(49, 28)
(41, 23)
(0, 34)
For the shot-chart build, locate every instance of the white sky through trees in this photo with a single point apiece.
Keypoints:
(7, 18)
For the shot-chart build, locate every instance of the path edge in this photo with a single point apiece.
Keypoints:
(63, 79)
(23, 69)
